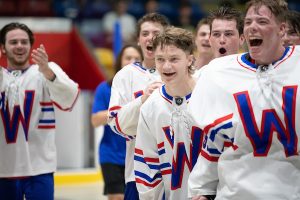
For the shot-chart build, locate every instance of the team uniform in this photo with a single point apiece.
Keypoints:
(167, 147)
(249, 116)
(112, 147)
(124, 108)
(27, 128)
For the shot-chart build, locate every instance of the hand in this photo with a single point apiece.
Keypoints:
(150, 88)
(199, 198)
(40, 57)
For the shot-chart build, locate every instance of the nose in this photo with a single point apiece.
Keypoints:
(19, 44)
(206, 37)
(252, 27)
(222, 39)
(167, 65)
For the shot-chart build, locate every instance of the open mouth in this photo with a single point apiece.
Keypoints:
(255, 42)
(169, 74)
(222, 50)
(149, 48)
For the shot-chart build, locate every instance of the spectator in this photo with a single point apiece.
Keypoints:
(126, 21)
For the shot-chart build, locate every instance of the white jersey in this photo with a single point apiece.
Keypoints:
(250, 115)
(167, 147)
(27, 119)
(124, 107)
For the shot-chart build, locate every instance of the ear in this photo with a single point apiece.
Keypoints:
(3, 50)
(191, 59)
(282, 27)
(242, 40)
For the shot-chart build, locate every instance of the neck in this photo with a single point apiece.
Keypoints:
(12, 66)
(276, 56)
(181, 90)
(202, 60)
(148, 63)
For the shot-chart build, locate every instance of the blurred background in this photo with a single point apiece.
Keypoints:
(83, 37)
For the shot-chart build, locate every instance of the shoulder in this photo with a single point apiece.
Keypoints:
(221, 64)
(103, 85)
(130, 69)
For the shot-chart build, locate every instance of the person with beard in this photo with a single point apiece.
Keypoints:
(226, 31)
(29, 93)
(131, 87)
(248, 107)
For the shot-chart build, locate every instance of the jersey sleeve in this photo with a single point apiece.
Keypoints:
(63, 91)
(123, 109)
(146, 162)
(217, 123)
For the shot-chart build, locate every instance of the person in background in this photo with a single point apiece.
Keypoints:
(126, 21)
(29, 93)
(203, 53)
(131, 87)
(248, 106)
(292, 32)
(168, 142)
(112, 147)
(185, 16)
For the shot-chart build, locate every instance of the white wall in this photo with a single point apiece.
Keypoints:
(74, 136)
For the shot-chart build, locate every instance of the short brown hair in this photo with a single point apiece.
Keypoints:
(179, 37)
(227, 13)
(277, 7)
(203, 21)
(13, 26)
(152, 17)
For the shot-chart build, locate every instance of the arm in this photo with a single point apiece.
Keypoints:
(100, 105)
(146, 162)
(124, 110)
(63, 90)
(99, 118)
(211, 115)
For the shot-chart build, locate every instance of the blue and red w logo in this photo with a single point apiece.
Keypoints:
(11, 122)
(286, 133)
(181, 156)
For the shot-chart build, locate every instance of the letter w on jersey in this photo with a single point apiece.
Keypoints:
(11, 122)
(183, 158)
(261, 140)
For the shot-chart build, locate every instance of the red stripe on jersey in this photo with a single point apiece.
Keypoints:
(46, 127)
(46, 103)
(209, 157)
(114, 108)
(147, 184)
(138, 151)
(216, 122)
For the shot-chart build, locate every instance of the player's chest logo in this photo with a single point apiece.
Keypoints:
(261, 139)
(183, 157)
(11, 121)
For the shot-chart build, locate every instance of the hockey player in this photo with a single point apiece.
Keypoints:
(248, 107)
(131, 86)
(27, 116)
(226, 31)
(168, 142)
(292, 33)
